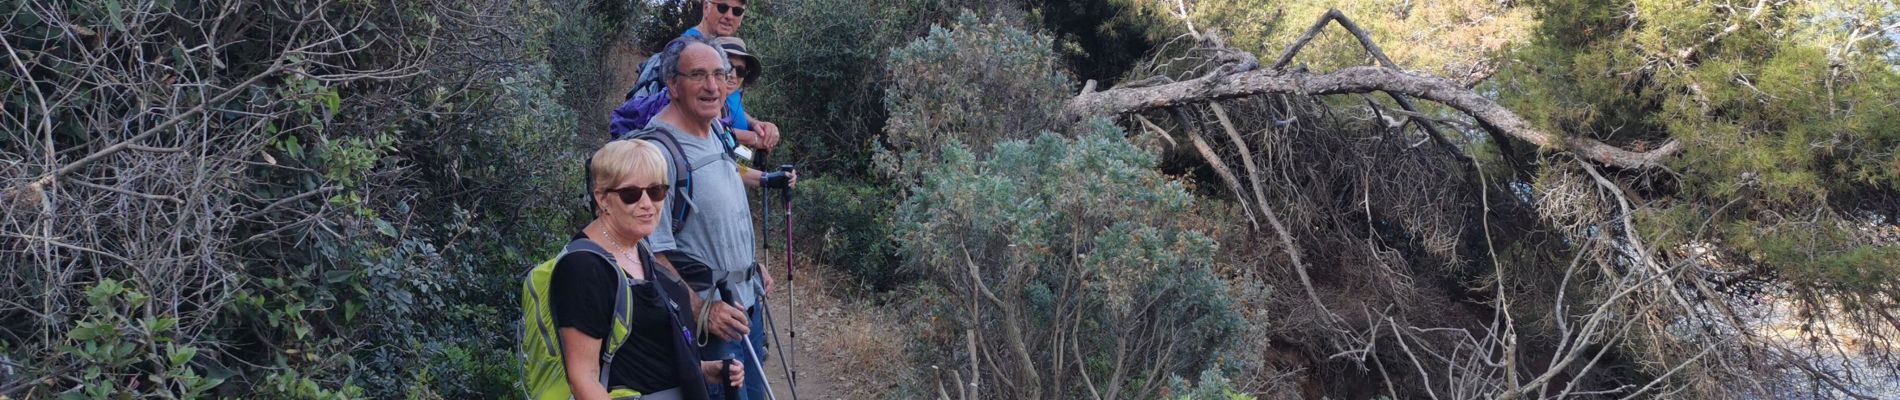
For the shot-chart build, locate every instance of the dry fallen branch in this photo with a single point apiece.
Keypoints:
(1359, 80)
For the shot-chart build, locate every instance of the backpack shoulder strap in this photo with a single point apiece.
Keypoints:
(683, 172)
(588, 246)
(727, 138)
(623, 304)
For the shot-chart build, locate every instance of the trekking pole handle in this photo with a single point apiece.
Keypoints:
(787, 190)
(725, 293)
(725, 368)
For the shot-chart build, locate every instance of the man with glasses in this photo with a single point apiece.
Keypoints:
(722, 18)
(715, 244)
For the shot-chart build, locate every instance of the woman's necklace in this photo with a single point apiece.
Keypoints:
(622, 253)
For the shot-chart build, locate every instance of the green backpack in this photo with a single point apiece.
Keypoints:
(543, 373)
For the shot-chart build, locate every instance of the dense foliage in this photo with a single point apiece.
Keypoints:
(285, 199)
(979, 81)
(1788, 110)
(292, 199)
(1070, 268)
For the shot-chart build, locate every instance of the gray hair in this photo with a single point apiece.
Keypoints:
(670, 57)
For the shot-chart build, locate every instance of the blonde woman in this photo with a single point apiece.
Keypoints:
(628, 179)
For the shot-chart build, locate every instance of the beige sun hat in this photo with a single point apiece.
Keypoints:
(735, 47)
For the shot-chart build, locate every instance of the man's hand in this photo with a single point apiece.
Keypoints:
(727, 322)
(768, 277)
(768, 133)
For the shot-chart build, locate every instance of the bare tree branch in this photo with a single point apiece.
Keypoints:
(1359, 80)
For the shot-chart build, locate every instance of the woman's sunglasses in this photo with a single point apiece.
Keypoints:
(632, 194)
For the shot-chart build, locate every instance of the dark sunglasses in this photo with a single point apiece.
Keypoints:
(736, 11)
(632, 194)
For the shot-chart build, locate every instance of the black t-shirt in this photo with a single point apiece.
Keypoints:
(582, 292)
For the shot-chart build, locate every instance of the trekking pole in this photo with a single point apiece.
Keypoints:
(732, 392)
(791, 277)
(762, 379)
(765, 306)
(725, 289)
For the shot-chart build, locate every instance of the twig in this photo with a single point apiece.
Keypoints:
(287, 200)
(1688, 55)
(1220, 168)
(48, 178)
(1260, 200)
(146, 196)
(1163, 133)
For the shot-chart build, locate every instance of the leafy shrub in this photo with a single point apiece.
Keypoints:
(848, 224)
(347, 225)
(826, 78)
(1074, 249)
(1212, 385)
(113, 344)
(824, 72)
(978, 82)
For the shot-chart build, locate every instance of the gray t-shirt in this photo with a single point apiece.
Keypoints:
(719, 230)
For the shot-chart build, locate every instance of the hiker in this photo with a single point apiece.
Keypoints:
(719, 18)
(656, 359)
(711, 244)
(745, 69)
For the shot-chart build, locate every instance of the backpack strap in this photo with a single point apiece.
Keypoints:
(727, 138)
(623, 303)
(708, 159)
(683, 179)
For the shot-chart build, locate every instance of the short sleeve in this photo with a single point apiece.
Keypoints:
(582, 292)
(735, 103)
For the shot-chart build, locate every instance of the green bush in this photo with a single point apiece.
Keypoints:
(1074, 241)
(114, 345)
(827, 72)
(1210, 386)
(348, 227)
(824, 72)
(847, 225)
(978, 82)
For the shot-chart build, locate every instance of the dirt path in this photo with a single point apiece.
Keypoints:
(797, 345)
(842, 350)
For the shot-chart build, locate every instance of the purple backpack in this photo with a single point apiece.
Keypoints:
(644, 101)
(634, 114)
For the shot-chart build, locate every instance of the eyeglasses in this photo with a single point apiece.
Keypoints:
(632, 194)
(704, 75)
(737, 73)
(736, 11)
